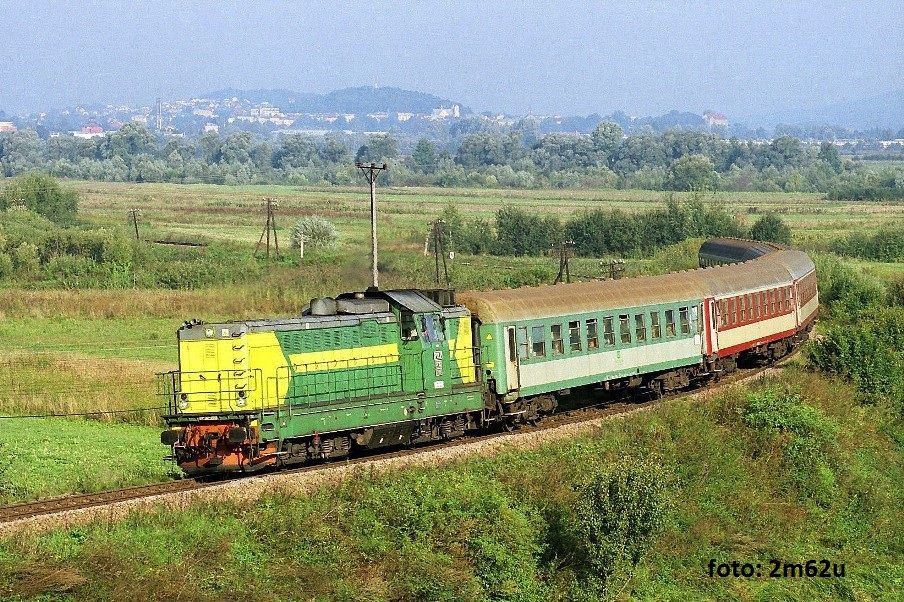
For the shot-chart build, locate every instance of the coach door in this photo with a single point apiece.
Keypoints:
(511, 358)
(710, 327)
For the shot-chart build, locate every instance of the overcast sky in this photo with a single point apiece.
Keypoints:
(737, 57)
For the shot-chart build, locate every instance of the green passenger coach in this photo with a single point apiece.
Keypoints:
(612, 334)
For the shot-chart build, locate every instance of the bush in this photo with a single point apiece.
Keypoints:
(42, 194)
(885, 244)
(771, 228)
(845, 291)
(870, 353)
(25, 258)
(806, 435)
(619, 513)
(318, 233)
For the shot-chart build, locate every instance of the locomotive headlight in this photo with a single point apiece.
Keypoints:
(241, 401)
(183, 401)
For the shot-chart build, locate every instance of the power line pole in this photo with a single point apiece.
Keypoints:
(439, 248)
(270, 226)
(371, 172)
(565, 253)
(133, 215)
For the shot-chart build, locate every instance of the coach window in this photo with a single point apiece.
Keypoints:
(538, 340)
(772, 295)
(592, 337)
(743, 307)
(558, 345)
(788, 299)
(654, 326)
(624, 328)
(522, 342)
(640, 328)
(723, 313)
(685, 321)
(608, 331)
(574, 335)
(670, 322)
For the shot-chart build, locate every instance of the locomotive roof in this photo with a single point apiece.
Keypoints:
(525, 303)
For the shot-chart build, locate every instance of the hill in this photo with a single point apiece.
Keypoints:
(360, 99)
(881, 111)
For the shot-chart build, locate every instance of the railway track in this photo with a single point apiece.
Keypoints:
(82, 504)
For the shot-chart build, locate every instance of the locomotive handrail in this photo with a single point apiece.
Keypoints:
(225, 388)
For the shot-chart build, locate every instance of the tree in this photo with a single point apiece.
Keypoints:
(692, 172)
(236, 148)
(378, 148)
(296, 151)
(424, 155)
(523, 233)
(332, 150)
(771, 228)
(318, 233)
(828, 152)
(607, 137)
(42, 194)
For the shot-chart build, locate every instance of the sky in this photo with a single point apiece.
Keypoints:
(559, 57)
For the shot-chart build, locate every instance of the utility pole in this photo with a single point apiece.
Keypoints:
(565, 253)
(439, 249)
(371, 172)
(616, 268)
(133, 215)
(270, 226)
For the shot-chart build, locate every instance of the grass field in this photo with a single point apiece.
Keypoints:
(504, 528)
(234, 213)
(66, 351)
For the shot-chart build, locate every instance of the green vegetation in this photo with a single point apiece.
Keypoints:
(317, 233)
(62, 456)
(883, 244)
(42, 194)
(477, 155)
(792, 469)
(724, 478)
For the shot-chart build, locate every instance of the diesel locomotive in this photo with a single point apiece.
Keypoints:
(381, 368)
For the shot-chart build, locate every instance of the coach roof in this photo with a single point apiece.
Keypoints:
(526, 303)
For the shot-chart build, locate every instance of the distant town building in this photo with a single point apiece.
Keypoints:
(89, 131)
(717, 120)
(882, 143)
(7, 127)
(454, 112)
(211, 128)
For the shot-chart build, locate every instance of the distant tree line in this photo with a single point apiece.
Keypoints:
(601, 232)
(518, 157)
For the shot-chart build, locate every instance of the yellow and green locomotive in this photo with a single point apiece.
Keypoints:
(366, 369)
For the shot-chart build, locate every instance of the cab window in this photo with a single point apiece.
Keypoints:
(432, 328)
